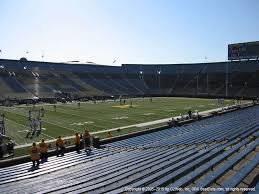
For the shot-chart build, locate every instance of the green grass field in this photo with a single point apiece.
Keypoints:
(69, 118)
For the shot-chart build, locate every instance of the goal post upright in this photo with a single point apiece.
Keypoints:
(2, 125)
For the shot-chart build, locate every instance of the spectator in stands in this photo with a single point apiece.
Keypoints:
(77, 142)
(109, 135)
(49, 145)
(35, 154)
(43, 150)
(60, 144)
(1, 151)
(190, 114)
(68, 142)
(173, 122)
(87, 140)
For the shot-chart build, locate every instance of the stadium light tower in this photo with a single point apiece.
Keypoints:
(226, 80)
(159, 72)
(27, 54)
(141, 74)
(42, 54)
(207, 79)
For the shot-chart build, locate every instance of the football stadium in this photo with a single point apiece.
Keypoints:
(83, 127)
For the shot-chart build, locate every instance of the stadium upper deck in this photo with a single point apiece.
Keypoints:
(29, 79)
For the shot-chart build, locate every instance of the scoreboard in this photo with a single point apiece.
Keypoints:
(246, 50)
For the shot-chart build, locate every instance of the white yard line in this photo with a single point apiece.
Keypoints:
(47, 135)
(29, 128)
(42, 121)
(135, 125)
(18, 123)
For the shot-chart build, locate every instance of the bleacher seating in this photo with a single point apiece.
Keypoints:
(205, 130)
(43, 79)
(201, 154)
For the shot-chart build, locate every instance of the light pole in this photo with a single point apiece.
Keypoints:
(231, 89)
(42, 54)
(245, 89)
(226, 79)
(141, 74)
(197, 84)
(159, 72)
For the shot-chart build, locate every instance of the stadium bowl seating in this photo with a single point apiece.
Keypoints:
(218, 152)
(28, 79)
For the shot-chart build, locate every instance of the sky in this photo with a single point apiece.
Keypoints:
(125, 31)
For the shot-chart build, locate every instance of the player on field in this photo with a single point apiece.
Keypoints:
(42, 111)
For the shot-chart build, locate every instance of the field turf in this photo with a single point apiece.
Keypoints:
(70, 118)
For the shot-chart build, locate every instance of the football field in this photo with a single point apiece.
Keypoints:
(70, 118)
